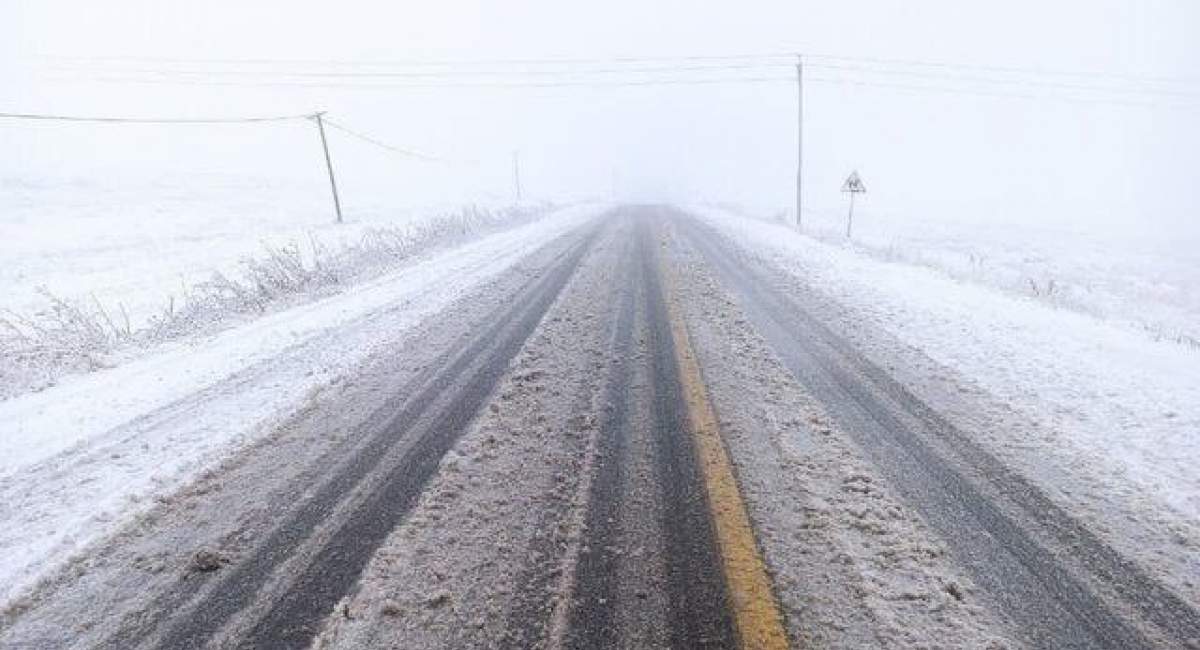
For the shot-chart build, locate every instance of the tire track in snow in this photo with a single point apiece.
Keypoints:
(366, 497)
(1049, 594)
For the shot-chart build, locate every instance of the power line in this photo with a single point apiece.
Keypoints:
(143, 120)
(445, 73)
(1006, 95)
(435, 62)
(501, 75)
(450, 84)
(639, 75)
(659, 82)
(408, 153)
(1041, 72)
(641, 72)
(1012, 82)
(317, 117)
(769, 58)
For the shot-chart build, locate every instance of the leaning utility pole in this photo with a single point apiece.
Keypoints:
(337, 205)
(517, 174)
(799, 132)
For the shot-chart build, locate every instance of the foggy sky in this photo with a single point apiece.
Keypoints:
(1048, 159)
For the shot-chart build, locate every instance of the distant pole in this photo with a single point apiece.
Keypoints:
(853, 185)
(850, 217)
(799, 132)
(517, 174)
(337, 205)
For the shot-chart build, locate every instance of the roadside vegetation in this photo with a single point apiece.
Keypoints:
(81, 334)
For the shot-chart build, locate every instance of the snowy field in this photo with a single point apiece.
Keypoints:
(134, 244)
(80, 458)
(1118, 409)
(95, 273)
(1145, 279)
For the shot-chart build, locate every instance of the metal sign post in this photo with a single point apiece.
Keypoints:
(852, 186)
(517, 174)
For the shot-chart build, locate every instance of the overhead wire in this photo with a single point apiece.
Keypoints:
(434, 62)
(1005, 95)
(674, 71)
(152, 120)
(453, 84)
(1042, 72)
(466, 72)
(1092, 95)
(645, 71)
(1003, 81)
(408, 153)
(767, 58)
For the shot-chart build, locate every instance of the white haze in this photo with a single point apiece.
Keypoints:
(1058, 158)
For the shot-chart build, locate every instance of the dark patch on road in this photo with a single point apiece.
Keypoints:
(697, 605)
(591, 620)
(529, 616)
(700, 616)
(671, 521)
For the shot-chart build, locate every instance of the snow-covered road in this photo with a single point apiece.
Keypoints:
(661, 429)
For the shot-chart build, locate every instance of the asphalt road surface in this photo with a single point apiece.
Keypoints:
(642, 437)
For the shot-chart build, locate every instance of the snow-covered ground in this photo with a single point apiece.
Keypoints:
(134, 244)
(1118, 410)
(79, 458)
(1141, 278)
(98, 273)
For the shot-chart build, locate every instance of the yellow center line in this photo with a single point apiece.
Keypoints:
(757, 616)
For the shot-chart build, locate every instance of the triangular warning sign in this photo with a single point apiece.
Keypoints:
(854, 183)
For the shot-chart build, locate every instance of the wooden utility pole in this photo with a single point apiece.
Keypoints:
(799, 133)
(337, 204)
(517, 174)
